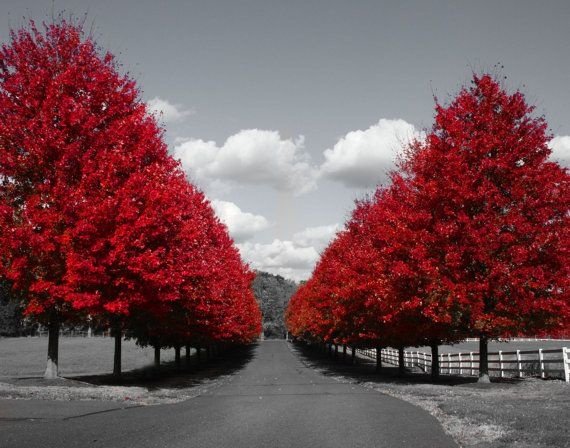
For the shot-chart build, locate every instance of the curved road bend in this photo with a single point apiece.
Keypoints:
(274, 402)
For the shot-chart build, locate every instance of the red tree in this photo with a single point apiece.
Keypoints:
(122, 251)
(198, 291)
(63, 104)
(342, 302)
(498, 210)
(419, 311)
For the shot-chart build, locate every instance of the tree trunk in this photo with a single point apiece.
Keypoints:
(484, 360)
(117, 358)
(52, 371)
(378, 358)
(208, 353)
(177, 356)
(336, 351)
(344, 353)
(434, 361)
(401, 366)
(353, 356)
(198, 353)
(157, 357)
(187, 353)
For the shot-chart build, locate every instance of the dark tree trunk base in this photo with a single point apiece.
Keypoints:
(378, 359)
(434, 362)
(401, 364)
(156, 357)
(177, 357)
(484, 360)
(118, 354)
(52, 368)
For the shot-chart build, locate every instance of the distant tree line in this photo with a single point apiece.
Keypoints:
(273, 293)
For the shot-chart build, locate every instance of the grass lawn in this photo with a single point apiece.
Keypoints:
(86, 366)
(26, 357)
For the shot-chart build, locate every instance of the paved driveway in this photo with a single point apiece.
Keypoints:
(275, 401)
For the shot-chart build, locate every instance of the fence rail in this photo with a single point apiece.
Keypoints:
(76, 333)
(544, 363)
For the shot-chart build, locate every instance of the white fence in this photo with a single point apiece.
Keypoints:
(43, 332)
(544, 363)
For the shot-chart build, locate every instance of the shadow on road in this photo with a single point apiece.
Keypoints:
(170, 376)
(365, 369)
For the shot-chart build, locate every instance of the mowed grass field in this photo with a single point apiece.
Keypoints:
(26, 357)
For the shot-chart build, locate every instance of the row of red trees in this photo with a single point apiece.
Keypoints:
(96, 219)
(470, 239)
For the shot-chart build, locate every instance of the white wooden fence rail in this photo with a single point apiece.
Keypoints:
(545, 363)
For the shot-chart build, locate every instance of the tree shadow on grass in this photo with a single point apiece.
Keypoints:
(171, 376)
(364, 371)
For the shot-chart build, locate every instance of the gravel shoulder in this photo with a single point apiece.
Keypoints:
(522, 413)
(71, 390)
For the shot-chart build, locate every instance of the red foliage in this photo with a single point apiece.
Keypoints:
(63, 105)
(499, 212)
(95, 216)
(471, 238)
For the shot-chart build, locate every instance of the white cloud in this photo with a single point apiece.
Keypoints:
(280, 257)
(167, 111)
(363, 158)
(317, 237)
(241, 225)
(250, 157)
(294, 259)
(560, 146)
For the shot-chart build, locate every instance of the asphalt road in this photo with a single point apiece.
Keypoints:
(274, 401)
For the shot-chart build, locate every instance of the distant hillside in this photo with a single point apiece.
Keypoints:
(273, 293)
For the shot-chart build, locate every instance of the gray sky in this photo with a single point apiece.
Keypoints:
(290, 84)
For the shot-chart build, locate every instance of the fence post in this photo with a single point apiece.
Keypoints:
(460, 365)
(449, 363)
(540, 360)
(519, 363)
(441, 362)
(471, 366)
(501, 373)
(565, 360)
(378, 358)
